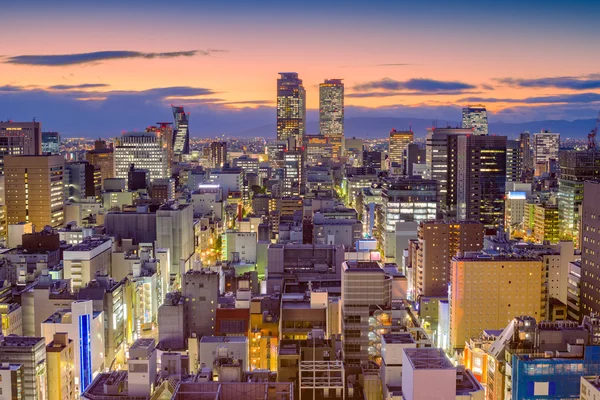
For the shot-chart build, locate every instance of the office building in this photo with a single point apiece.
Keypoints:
(11, 381)
(200, 290)
(413, 154)
(60, 361)
(516, 214)
(398, 142)
(291, 110)
(175, 231)
(526, 151)
(145, 150)
(86, 329)
(438, 242)
(294, 176)
(81, 180)
(480, 178)
(165, 131)
(12, 319)
(365, 287)
(486, 291)
(440, 154)
(576, 167)
(83, 261)
(181, 135)
(514, 161)
(248, 164)
(545, 147)
(102, 157)
(475, 117)
(318, 148)
(218, 154)
(50, 142)
(331, 114)
(30, 352)
(141, 368)
(20, 138)
(373, 161)
(546, 223)
(34, 190)
(590, 249)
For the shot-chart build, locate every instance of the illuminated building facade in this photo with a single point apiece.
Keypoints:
(475, 117)
(546, 223)
(20, 138)
(291, 109)
(294, 175)
(34, 190)
(144, 150)
(51, 142)
(331, 114)
(218, 154)
(181, 138)
(545, 147)
(165, 131)
(399, 141)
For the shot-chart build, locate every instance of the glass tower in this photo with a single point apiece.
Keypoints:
(181, 139)
(331, 114)
(475, 117)
(291, 109)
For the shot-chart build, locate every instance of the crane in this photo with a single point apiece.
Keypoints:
(592, 134)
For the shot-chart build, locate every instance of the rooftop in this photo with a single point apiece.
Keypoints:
(223, 339)
(362, 266)
(428, 358)
(398, 338)
(90, 243)
(21, 341)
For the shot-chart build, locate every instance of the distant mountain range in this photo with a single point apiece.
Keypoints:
(379, 127)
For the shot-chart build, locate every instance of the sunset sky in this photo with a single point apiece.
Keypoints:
(96, 70)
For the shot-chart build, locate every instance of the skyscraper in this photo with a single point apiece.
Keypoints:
(34, 190)
(181, 139)
(294, 176)
(514, 161)
(525, 144)
(480, 178)
(545, 146)
(590, 250)
(331, 114)
(144, 150)
(20, 138)
(475, 117)
(218, 154)
(399, 141)
(165, 131)
(291, 109)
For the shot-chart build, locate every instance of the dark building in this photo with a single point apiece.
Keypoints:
(137, 179)
(479, 178)
(51, 142)
(218, 154)
(373, 159)
(514, 161)
(590, 250)
(413, 154)
(181, 136)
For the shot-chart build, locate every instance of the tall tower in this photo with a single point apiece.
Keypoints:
(399, 141)
(475, 117)
(291, 109)
(181, 138)
(331, 114)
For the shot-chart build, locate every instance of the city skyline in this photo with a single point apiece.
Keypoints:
(98, 72)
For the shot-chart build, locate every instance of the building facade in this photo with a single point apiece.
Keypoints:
(291, 110)
(331, 114)
(475, 116)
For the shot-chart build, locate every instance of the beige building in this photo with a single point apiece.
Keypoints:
(61, 368)
(83, 261)
(489, 291)
(20, 138)
(34, 190)
(439, 241)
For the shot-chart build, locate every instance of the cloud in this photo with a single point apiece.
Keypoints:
(561, 98)
(586, 82)
(56, 60)
(80, 86)
(250, 102)
(392, 94)
(415, 85)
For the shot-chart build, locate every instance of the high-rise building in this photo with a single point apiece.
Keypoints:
(590, 249)
(441, 162)
(102, 157)
(413, 154)
(218, 154)
(480, 178)
(31, 353)
(331, 114)
(294, 175)
(545, 147)
(34, 190)
(81, 181)
(181, 137)
(51, 142)
(576, 167)
(398, 142)
(475, 117)
(486, 291)
(175, 231)
(165, 131)
(546, 223)
(84, 260)
(20, 138)
(365, 287)
(60, 361)
(514, 161)
(144, 150)
(525, 145)
(439, 241)
(319, 149)
(291, 109)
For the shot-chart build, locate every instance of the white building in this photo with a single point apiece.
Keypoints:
(82, 261)
(207, 200)
(175, 231)
(141, 368)
(545, 146)
(145, 150)
(230, 179)
(213, 348)
(86, 329)
(239, 246)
